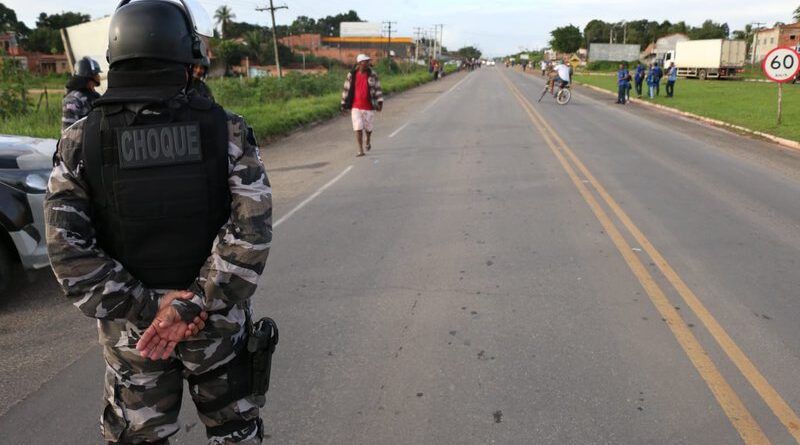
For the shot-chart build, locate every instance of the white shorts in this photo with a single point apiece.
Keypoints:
(362, 119)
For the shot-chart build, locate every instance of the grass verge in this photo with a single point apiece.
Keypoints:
(272, 107)
(751, 105)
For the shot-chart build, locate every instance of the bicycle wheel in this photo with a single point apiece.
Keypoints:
(563, 96)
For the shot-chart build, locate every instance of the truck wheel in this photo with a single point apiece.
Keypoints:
(703, 75)
(6, 267)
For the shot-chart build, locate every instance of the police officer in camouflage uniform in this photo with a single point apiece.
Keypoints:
(80, 91)
(158, 213)
(199, 84)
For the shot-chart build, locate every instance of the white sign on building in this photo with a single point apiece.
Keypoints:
(360, 29)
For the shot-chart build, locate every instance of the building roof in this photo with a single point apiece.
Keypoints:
(408, 40)
(788, 25)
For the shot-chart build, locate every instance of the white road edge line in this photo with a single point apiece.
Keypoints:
(399, 130)
(312, 197)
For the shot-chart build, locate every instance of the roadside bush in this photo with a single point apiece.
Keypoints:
(272, 106)
(259, 90)
(387, 66)
(13, 88)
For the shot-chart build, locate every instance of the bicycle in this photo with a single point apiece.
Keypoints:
(562, 95)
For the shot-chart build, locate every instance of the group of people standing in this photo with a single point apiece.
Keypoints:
(436, 68)
(652, 75)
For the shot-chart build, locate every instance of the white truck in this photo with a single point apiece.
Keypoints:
(708, 59)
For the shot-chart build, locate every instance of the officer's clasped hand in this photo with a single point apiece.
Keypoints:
(167, 329)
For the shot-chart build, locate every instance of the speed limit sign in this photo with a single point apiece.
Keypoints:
(781, 64)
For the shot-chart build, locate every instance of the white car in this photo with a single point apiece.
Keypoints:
(25, 166)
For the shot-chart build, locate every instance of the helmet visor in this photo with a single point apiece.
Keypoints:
(202, 22)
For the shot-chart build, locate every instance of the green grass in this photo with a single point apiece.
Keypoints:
(751, 105)
(271, 106)
(275, 107)
(53, 82)
(46, 123)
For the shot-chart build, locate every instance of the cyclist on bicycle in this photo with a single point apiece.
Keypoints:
(562, 75)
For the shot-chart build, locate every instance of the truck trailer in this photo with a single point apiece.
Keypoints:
(708, 59)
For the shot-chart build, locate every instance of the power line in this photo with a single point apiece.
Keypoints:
(271, 10)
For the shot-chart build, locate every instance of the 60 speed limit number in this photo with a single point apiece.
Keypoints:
(781, 64)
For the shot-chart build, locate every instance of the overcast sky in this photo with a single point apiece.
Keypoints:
(496, 27)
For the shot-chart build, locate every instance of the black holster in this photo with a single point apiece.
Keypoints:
(248, 373)
(261, 342)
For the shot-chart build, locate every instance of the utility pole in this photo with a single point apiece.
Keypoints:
(624, 32)
(441, 39)
(758, 26)
(417, 39)
(271, 10)
(388, 25)
(437, 42)
(431, 46)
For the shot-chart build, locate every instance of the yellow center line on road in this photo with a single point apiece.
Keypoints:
(744, 423)
(771, 397)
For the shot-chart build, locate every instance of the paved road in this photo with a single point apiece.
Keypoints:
(500, 271)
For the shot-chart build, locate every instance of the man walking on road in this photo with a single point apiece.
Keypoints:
(362, 95)
(672, 76)
(158, 224)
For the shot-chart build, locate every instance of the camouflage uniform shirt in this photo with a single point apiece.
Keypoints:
(102, 288)
(75, 106)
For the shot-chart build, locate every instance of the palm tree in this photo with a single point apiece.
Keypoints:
(797, 14)
(223, 15)
(255, 43)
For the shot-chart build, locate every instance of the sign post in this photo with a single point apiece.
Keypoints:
(781, 65)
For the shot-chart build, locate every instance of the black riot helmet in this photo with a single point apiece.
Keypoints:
(87, 67)
(157, 29)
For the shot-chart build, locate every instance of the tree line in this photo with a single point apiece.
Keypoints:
(45, 37)
(568, 39)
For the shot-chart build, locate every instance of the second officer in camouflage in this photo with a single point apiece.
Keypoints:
(159, 211)
(80, 91)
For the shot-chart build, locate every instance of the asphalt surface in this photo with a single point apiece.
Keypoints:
(495, 270)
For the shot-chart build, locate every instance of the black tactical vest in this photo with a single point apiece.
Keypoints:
(159, 186)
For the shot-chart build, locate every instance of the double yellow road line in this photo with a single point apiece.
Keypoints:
(726, 396)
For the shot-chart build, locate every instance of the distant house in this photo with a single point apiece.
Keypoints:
(766, 40)
(8, 43)
(39, 63)
(345, 49)
(550, 54)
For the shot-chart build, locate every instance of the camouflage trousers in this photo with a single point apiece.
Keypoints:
(143, 397)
